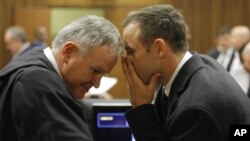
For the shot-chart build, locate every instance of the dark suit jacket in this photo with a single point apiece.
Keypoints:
(36, 104)
(214, 53)
(204, 101)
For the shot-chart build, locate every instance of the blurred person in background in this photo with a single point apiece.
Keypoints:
(240, 35)
(16, 41)
(245, 59)
(40, 37)
(224, 52)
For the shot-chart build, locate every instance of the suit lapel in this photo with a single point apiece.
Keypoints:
(181, 81)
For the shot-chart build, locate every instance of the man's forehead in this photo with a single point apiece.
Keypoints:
(131, 35)
(103, 57)
(131, 29)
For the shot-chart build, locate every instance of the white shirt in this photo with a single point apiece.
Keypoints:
(48, 53)
(239, 73)
(186, 57)
(225, 57)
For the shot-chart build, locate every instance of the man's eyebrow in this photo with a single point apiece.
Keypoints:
(101, 70)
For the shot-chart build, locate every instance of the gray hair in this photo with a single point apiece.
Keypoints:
(17, 33)
(89, 32)
(160, 21)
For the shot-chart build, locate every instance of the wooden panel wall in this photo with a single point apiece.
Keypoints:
(11, 14)
(204, 18)
(29, 18)
(5, 21)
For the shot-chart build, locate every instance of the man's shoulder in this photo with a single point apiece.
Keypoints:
(209, 81)
(213, 53)
(37, 74)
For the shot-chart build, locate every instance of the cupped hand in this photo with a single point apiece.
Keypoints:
(139, 92)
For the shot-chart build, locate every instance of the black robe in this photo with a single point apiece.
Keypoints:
(36, 104)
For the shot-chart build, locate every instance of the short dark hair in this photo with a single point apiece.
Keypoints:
(223, 31)
(160, 21)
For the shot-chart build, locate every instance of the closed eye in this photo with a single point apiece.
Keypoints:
(96, 71)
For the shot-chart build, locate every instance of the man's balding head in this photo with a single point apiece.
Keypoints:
(245, 56)
(240, 35)
(14, 39)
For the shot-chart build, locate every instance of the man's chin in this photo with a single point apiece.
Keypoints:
(79, 95)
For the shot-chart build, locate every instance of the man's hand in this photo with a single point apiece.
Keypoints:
(139, 92)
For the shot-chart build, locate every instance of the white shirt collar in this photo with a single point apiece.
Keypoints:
(186, 57)
(48, 53)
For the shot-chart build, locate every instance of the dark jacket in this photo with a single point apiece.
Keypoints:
(214, 53)
(204, 101)
(36, 104)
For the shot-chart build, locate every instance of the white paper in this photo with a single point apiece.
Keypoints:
(105, 85)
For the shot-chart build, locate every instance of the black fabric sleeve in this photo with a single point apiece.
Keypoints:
(191, 124)
(44, 110)
(194, 123)
(144, 123)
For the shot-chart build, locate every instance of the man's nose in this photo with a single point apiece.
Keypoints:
(96, 81)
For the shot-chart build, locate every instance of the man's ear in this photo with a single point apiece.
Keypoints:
(160, 46)
(69, 49)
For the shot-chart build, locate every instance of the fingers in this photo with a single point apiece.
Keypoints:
(139, 93)
(129, 71)
(153, 80)
(125, 67)
(132, 73)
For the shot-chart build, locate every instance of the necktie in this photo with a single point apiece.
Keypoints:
(164, 103)
(230, 61)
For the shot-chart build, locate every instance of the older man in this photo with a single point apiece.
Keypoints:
(245, 59)
(39, 90)
(240, 35)
(198, 99)
(16, 41)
